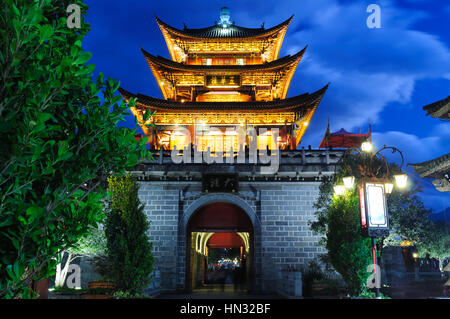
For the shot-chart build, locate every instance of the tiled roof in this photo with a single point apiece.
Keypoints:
(217, 31)
(304, 101)
(440, 109)
(433, 167)
(161, 61)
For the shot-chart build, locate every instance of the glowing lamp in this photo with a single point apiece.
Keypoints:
(339, 190)
(401, 180)
(349, 181)
(415, 255)
(388, 187)
(367, 147)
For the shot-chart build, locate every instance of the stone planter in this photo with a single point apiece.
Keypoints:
(99, 290)
(101, 285)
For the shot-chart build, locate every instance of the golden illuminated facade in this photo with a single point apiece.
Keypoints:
(224, 77)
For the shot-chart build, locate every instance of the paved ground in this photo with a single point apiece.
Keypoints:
(216, 292)
(402, 290)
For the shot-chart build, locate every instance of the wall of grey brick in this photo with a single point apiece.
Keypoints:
(161, 208)
(286, 238)
(282, 236)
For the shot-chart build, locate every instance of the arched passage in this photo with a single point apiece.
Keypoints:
(218, 226)
(225, 240)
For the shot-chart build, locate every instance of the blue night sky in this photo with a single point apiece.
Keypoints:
(384, 76)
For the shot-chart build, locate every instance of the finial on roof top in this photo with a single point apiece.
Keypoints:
(224, 20)
(185, 26)
(262, 25)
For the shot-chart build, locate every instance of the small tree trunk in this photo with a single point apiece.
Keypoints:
(61, 274)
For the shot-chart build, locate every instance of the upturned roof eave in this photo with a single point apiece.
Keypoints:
(428, 168)
(257, 32)
(293, 104)
(162, 62)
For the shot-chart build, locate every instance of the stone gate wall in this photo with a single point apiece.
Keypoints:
(280, 215)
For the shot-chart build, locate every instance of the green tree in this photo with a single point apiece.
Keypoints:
(129, 251)
(435, 243)
(410, 220)
(92, 244)
(408, 216)
(59, 140)
(338, 219)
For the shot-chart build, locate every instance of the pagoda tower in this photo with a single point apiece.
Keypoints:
(224, 76)
(222, 81)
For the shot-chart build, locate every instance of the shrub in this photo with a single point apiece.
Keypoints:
(129, 251)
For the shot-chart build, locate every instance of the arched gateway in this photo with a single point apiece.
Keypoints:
(219, 242)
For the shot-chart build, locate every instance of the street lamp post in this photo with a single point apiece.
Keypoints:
(372, 190)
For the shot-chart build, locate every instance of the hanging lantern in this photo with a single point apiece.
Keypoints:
(367, 147)
(401, 180)
(349, 181)
(339, 190)
(388, 187)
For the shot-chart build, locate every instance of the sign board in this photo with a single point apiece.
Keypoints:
(223, 80)
(374, 214)
(227, 183)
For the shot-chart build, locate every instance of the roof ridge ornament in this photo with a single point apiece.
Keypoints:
(224, 20)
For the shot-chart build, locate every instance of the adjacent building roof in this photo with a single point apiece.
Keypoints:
(217, 31)
(342, 139)
(439, 109)
(434, 168)
(293, 104)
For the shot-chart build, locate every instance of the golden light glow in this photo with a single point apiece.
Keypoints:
(406, 243)
(183, 84)
(161, 118)
(223, 86)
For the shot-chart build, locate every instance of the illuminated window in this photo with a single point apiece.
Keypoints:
(217, 143)
(264, 141)
(241, 61)
(178, 139)
(207, 61)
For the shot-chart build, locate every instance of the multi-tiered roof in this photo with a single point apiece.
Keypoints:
(224, 75)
